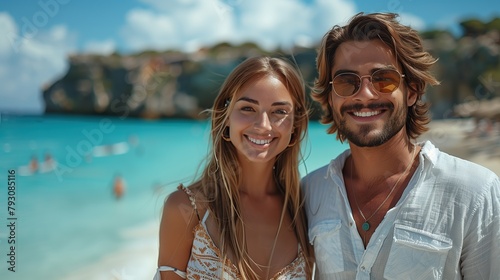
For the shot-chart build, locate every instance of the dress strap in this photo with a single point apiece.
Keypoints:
(191, 198)
(205, 217)
(181, 274)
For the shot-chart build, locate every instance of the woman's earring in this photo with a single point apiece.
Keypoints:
(225, 134)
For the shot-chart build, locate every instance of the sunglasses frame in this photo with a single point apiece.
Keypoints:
(370, 77)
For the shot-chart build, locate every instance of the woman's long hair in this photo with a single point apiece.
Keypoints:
(221, 177)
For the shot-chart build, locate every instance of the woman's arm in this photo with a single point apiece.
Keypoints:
(176, 233)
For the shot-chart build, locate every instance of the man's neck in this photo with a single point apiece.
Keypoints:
(371, 164)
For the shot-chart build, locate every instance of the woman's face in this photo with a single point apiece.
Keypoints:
(261, 122)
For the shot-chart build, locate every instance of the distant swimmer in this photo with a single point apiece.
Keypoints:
(48, 159)
(111, 149)
(33, 165)
(118, 187)
(49, 163)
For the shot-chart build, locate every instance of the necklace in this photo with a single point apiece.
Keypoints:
(366, 224)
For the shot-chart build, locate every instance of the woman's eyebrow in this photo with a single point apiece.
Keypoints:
(282, 103)
(247, 99)
(278, 103)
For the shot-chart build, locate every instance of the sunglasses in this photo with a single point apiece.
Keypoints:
(382, 80)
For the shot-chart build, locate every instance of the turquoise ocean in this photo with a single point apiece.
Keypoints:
(63, 221)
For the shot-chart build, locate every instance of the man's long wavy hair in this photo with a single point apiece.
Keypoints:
(405, 44)
(221, 177)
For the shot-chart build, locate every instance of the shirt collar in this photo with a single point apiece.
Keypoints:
(429, 152)
(336, 165)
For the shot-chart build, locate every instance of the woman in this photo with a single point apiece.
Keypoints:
(243, 218)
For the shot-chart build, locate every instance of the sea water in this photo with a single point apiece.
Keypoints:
(63, 220)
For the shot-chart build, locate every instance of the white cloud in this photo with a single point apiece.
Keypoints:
(188, 24)
(328, 13)
(105, 47)
(30, 62)
(274, 23)
(414, 21)
(9, 29)
(181, 24)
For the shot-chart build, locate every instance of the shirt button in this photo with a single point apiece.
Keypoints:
(350, 224)
(363, 268)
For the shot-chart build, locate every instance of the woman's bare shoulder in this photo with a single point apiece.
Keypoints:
(185, 201)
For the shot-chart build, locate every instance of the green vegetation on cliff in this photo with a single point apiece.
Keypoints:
(158, 84)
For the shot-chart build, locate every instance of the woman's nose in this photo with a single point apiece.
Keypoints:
(263, 121)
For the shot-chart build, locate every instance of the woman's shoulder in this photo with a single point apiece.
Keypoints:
(177, 226)
(177, 198)
(186, 200)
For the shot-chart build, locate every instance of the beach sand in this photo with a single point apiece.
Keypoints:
(138, 260)
(461, 138)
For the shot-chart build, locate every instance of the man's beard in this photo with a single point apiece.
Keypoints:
(361, 138)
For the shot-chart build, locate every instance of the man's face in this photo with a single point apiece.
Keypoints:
(369, 118)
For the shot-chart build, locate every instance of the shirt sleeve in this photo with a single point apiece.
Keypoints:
(481, 253)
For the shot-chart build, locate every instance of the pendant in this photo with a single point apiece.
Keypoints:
(365, 226)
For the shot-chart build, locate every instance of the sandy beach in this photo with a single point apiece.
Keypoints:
(462, 138)
(137, 261)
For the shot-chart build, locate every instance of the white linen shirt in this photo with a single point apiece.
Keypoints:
(445, 225)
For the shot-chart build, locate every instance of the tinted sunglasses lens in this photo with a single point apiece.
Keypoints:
(386, 81)
(346, 84)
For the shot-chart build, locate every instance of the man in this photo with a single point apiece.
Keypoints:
(388, 208)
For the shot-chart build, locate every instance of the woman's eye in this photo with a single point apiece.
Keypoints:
(248, 109)
(281, 111)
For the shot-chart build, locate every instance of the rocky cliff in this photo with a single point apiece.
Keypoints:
(151, 85)
(175, 84)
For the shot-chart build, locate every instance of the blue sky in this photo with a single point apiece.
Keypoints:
(37, 35)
